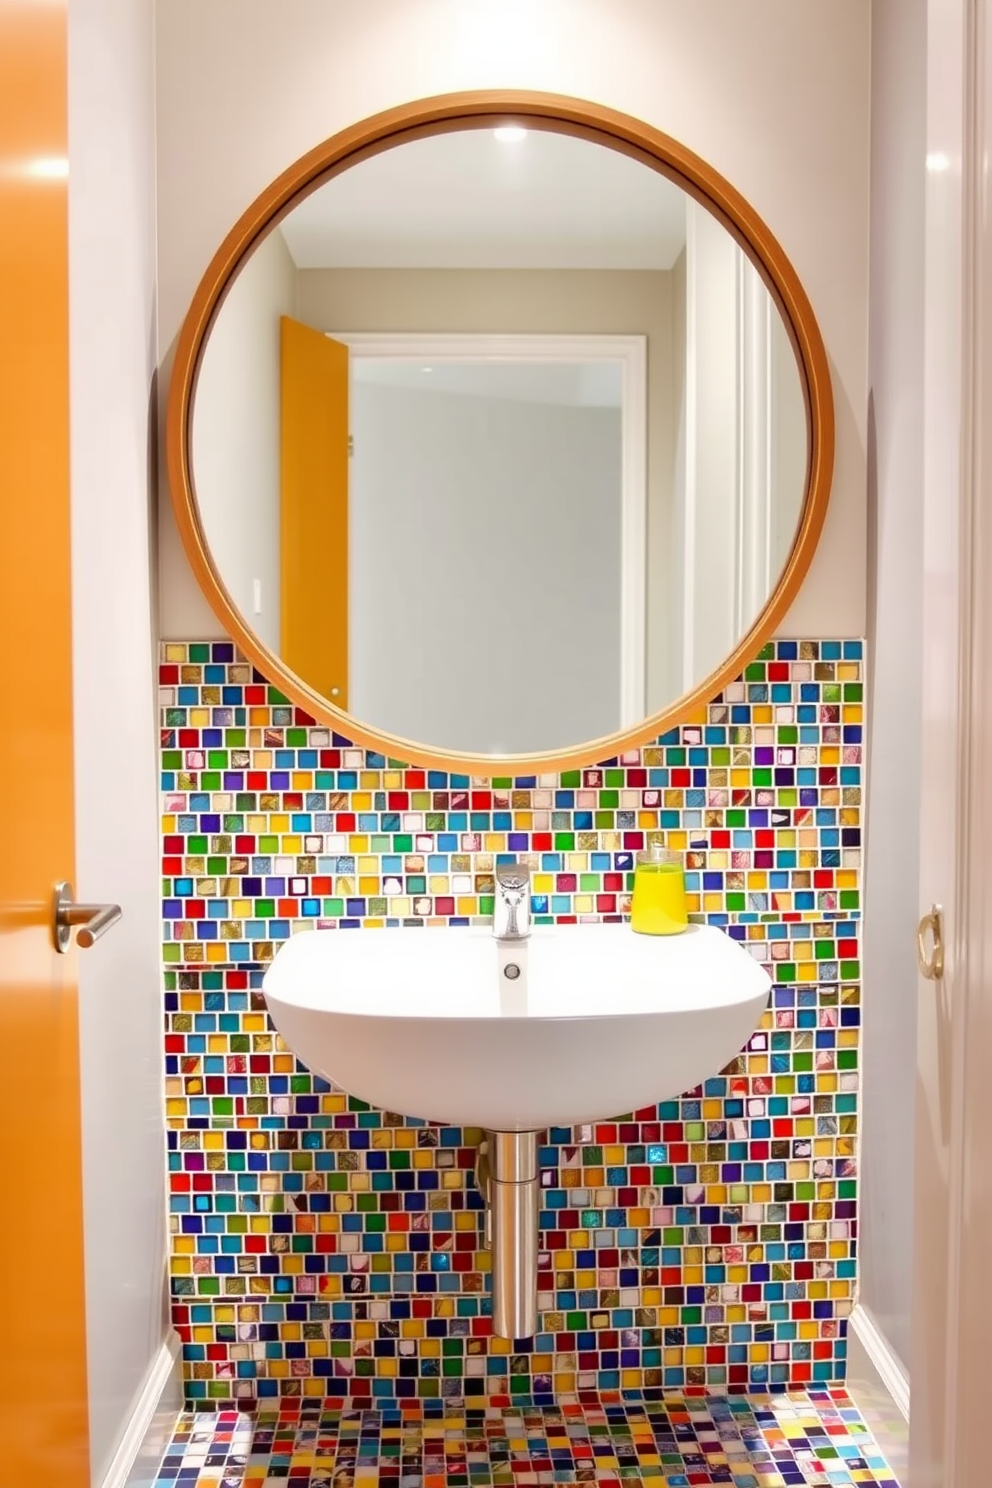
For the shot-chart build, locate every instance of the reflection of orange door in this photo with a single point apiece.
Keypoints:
(43, 1403)
(313, 569)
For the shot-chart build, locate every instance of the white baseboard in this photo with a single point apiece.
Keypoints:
(879, 1386)
(143, 1444)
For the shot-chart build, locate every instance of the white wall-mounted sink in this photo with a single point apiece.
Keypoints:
(599, 1020)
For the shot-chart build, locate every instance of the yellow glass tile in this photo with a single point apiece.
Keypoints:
(582, 904)
(466, 905)
(360, 801)
(358, 843)
(168, 825)
(278, 822)
(369, 886)
(184, 1245)
(391, 780)
(199, 717)
(712, 903)
(413, 1328)
(760, 715)
(852, 713)
(494, 842)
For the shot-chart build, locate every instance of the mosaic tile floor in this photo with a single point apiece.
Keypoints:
(755, 1441)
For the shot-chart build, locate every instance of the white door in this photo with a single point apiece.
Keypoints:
(951, 1311)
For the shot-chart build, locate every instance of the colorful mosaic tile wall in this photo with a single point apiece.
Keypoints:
(324, 1249)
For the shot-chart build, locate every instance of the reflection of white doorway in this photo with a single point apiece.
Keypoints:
(497, 535)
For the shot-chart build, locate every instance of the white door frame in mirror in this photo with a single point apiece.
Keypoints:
(630, 353)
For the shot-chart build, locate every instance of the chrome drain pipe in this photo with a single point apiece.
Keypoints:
(513, 1204)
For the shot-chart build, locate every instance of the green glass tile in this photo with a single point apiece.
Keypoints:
(268, 843)
(402, 842)
(210, 780)
(273, 695)
(616, 778)
(399, 1162)
(662, 1177)
(787, 733)
(830, 692)
(570, 779)
(762, 776)
(265, 909)
(172, 759)
(736, 818)
(590, 883)
(198, 652)
(564, 842)
(825, 950)
(195, 846)
(216, 865)
(785, 971)
(755, 672)
(235, 738)
(850, 899)
(850, 971)
(296, 738)
(609, 799)
(719, 756)
(333, 909)
(847, 1059)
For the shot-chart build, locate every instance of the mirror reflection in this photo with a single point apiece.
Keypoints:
(499, 441)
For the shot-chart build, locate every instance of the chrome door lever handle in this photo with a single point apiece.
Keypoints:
(92, 919)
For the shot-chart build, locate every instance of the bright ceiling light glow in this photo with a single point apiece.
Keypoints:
(510, 133)
(48, 168)
(938, 162)
(427, 369)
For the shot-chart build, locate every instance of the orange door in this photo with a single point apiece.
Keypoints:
(313, 569)
(43, 1402)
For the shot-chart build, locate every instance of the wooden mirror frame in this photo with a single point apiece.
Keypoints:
(481, 110)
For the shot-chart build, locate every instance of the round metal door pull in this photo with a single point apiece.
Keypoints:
(931, 958)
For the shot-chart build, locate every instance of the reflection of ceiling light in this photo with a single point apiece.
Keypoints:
(510, 133)
(427, 369)
(937, 162)
(48, 168)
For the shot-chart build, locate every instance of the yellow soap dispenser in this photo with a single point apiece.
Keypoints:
(657, 904)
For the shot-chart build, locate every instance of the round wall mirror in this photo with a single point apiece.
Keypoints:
(500, 433)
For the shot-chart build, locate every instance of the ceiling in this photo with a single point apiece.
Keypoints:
(469, 200)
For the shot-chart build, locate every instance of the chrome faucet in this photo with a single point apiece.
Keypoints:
(511, 907)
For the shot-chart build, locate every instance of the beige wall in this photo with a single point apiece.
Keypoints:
(779, 106)
(235, 437)
(113, 354)
(554, 302)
